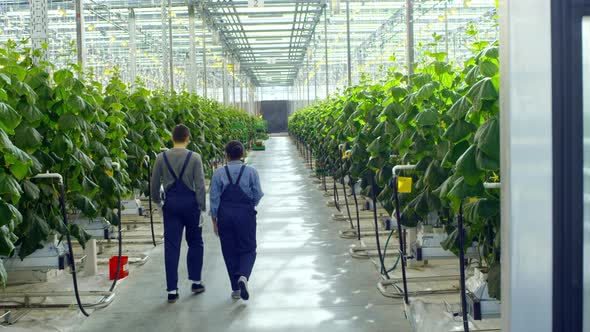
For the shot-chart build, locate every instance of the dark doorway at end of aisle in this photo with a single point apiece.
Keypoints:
(276, 112)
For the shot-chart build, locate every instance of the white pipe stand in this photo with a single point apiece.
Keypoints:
(91, 262)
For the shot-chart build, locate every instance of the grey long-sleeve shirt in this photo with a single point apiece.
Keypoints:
(193, 177)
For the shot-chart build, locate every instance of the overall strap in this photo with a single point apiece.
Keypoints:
(188, 158)
(241, 172)
(228, 175)
(169, 167)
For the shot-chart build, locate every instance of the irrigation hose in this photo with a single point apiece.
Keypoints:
(402, 249)
(385, 252)
(120, 235)
(374, 199)
(462, 267)
(356, 203)
(62, 201)
(150, 202)
(345, 196)
(335, 189)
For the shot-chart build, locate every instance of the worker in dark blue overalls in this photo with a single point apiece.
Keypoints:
(235, 191)
(180, 171)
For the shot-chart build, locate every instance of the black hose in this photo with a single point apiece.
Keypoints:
(462, 267)
(335, 193)
(150, 202)
(356, 204)
(342, 178)
(120, 236)
(402, 248)
(381, 258)
(62, 201)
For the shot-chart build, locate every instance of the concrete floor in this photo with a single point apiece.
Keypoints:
(304, 278)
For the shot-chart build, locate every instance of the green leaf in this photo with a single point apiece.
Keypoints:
(462, 190)
(484, 162)
(27, 137)
(454, 153)
(34, 230)
(459, 109)
(71, 121)
(9, 118)
(427, 118)
(18, 161)
(482, 91)
(79, 234)
(6, 248)
(85, 205)
(459, 130)
(31, 190)
(481, 209)
(9, 215)
(487, 138)
(466, 166)
(488, 68)
(5, 142)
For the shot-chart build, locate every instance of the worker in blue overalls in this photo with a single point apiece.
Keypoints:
(180, 171)
(235, 191)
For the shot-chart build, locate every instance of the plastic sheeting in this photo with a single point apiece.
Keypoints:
(425, 316)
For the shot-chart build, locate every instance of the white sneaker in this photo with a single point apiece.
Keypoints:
(243, 284)
(235, 295)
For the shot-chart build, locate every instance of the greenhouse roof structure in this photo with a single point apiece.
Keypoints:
(278, 43)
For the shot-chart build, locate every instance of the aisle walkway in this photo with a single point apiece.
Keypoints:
(303, 280)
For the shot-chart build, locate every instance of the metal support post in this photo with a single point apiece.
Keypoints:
(171, 54)
(39, 25)
(307, 80)
(223, 82)
(447, 29)
(233, 70)
(165, 74)
(349, 57)
(192, 51)
(410, 36)
(80, 47)
(205, 78)
(241, 91)
(132, 48)
(326, 50)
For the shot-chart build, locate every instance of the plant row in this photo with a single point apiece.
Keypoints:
(444, 120)
(63, 121)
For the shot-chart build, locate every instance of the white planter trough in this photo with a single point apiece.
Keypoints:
(479, 303)
(53, 256)
(131, 207)
(99, 229)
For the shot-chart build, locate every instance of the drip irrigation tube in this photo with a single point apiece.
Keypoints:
(146, 160)
(378, 241)
(118, 173)
(342, 178)
(402, 249)
(462, 267)
(356, 203)
(72, 262)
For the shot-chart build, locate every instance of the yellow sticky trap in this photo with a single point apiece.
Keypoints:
(472, 199)
(109, 173)
(346, 154)
(404, 184)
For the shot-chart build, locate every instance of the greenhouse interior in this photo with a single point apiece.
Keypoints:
(395, 165)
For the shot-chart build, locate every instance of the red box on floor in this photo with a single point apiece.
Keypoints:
(123, 271)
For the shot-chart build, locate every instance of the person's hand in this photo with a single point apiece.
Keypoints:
(215, 229)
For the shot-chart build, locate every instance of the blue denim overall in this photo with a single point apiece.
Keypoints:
(181, 210)
(236, 219)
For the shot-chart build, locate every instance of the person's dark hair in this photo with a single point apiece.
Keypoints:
(235, 150)
(180, 133)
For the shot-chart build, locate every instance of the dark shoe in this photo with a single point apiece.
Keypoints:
(243, 284)
(197, 288)
(172, 298)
